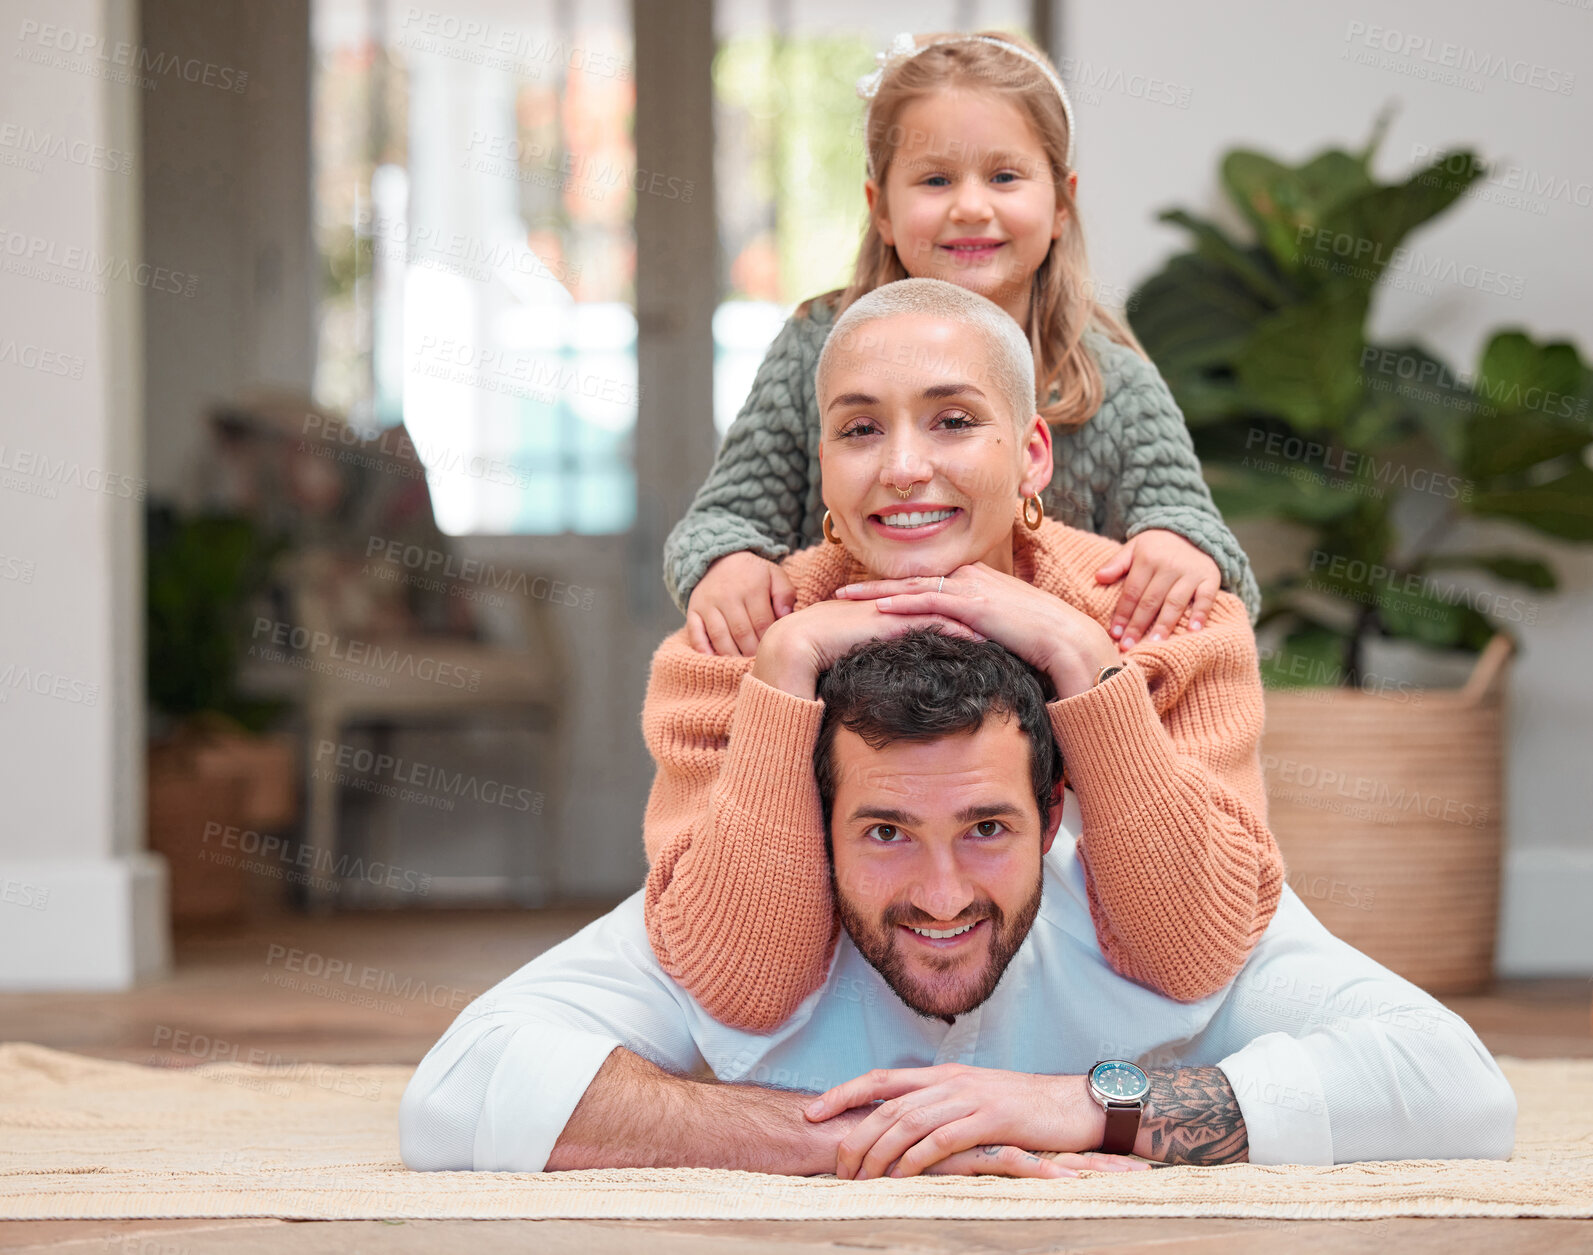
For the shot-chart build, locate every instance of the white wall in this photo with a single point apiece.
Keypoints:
(80, 904)
(1285, 79)
(226, 189)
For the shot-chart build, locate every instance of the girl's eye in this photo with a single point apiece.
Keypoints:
(1006, 176)
(885, 834)
(989, 828)
(937, 180)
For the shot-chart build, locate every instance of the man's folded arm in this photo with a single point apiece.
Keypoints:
(1335, 1059)
(495, 1093)
(636, 1115)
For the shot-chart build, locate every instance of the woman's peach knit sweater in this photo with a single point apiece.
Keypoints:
(1182, 872)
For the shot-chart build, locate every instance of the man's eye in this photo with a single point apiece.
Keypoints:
(886, 834)
(989, 828)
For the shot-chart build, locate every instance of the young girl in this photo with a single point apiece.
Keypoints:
(951, 196)
(970, 180)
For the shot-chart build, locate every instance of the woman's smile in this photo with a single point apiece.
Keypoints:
(919, 523)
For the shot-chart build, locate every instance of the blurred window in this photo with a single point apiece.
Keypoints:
(474, 204)
(788, 159)
(474, 168)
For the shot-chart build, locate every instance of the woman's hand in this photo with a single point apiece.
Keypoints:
(795, 651)
(734, 604)
(1047, 633)
(1164, 574)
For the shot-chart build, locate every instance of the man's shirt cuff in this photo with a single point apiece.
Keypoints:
(534, 1090)
(1280, 1096)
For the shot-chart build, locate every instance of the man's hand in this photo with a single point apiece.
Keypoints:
(930, 1118)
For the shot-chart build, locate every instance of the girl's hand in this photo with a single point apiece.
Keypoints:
(802, 646)
(1047, 633)
(1165, 573)
(734, 604)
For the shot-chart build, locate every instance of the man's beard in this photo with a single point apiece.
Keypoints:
(881, 945)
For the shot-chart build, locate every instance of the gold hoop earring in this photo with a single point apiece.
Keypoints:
(1033, 521)
(829, 530)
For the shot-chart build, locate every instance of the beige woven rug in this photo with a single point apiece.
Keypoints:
(85, 1138)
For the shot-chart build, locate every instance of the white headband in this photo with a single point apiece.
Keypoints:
(905, 46)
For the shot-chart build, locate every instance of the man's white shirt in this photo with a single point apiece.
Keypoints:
(1332, 1057)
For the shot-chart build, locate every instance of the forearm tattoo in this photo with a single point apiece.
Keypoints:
(1193, 1117)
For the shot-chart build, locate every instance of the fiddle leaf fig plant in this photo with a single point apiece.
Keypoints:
(1299, 416)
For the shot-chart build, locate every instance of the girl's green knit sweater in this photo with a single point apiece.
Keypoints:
(1130, 468)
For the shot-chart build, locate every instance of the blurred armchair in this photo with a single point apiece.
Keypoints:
(374, 636)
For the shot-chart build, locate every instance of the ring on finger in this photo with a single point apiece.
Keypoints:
(941, 587)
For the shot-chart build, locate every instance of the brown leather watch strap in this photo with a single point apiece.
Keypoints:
(1122, 1128)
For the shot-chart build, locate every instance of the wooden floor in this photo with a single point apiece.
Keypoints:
(241, 994)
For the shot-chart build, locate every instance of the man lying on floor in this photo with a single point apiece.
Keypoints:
(967, 1006)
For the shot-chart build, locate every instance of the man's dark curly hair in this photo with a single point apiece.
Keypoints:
(924, 685)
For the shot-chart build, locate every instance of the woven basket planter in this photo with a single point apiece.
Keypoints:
(1387, 810)
(187, 806)
(210, 796)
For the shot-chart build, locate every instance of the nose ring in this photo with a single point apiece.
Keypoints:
(905, 493)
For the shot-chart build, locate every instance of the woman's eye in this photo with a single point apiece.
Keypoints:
(861, 427)
(886, 834)
(989, 828)
(958, 420)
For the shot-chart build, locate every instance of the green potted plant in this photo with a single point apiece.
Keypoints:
(1385, 796)
(211, 768)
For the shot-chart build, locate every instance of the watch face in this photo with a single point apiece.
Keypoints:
(1119, 1081)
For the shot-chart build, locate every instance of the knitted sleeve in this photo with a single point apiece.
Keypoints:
(1159, 484)
(755, 497)
(1183, 873)
(738, 903)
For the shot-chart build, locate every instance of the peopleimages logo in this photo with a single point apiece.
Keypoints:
(301, 863)
(39, 471)
(1373, 583)
(35, 145)
(1517, 186)
(1359, 257)
(426, 778)
(1349, 467)
(1325, 788)
(150, 65)
(433, 570)
(1457, 64)
(485, 43)
(25, 254)
(1491, 394)
(375, 662)
(45, 683)
(45, 361)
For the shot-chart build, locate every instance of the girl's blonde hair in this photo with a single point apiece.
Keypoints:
(1062, 304)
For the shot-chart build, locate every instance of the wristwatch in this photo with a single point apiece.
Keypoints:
(1108, 671)
(1120, 1087)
